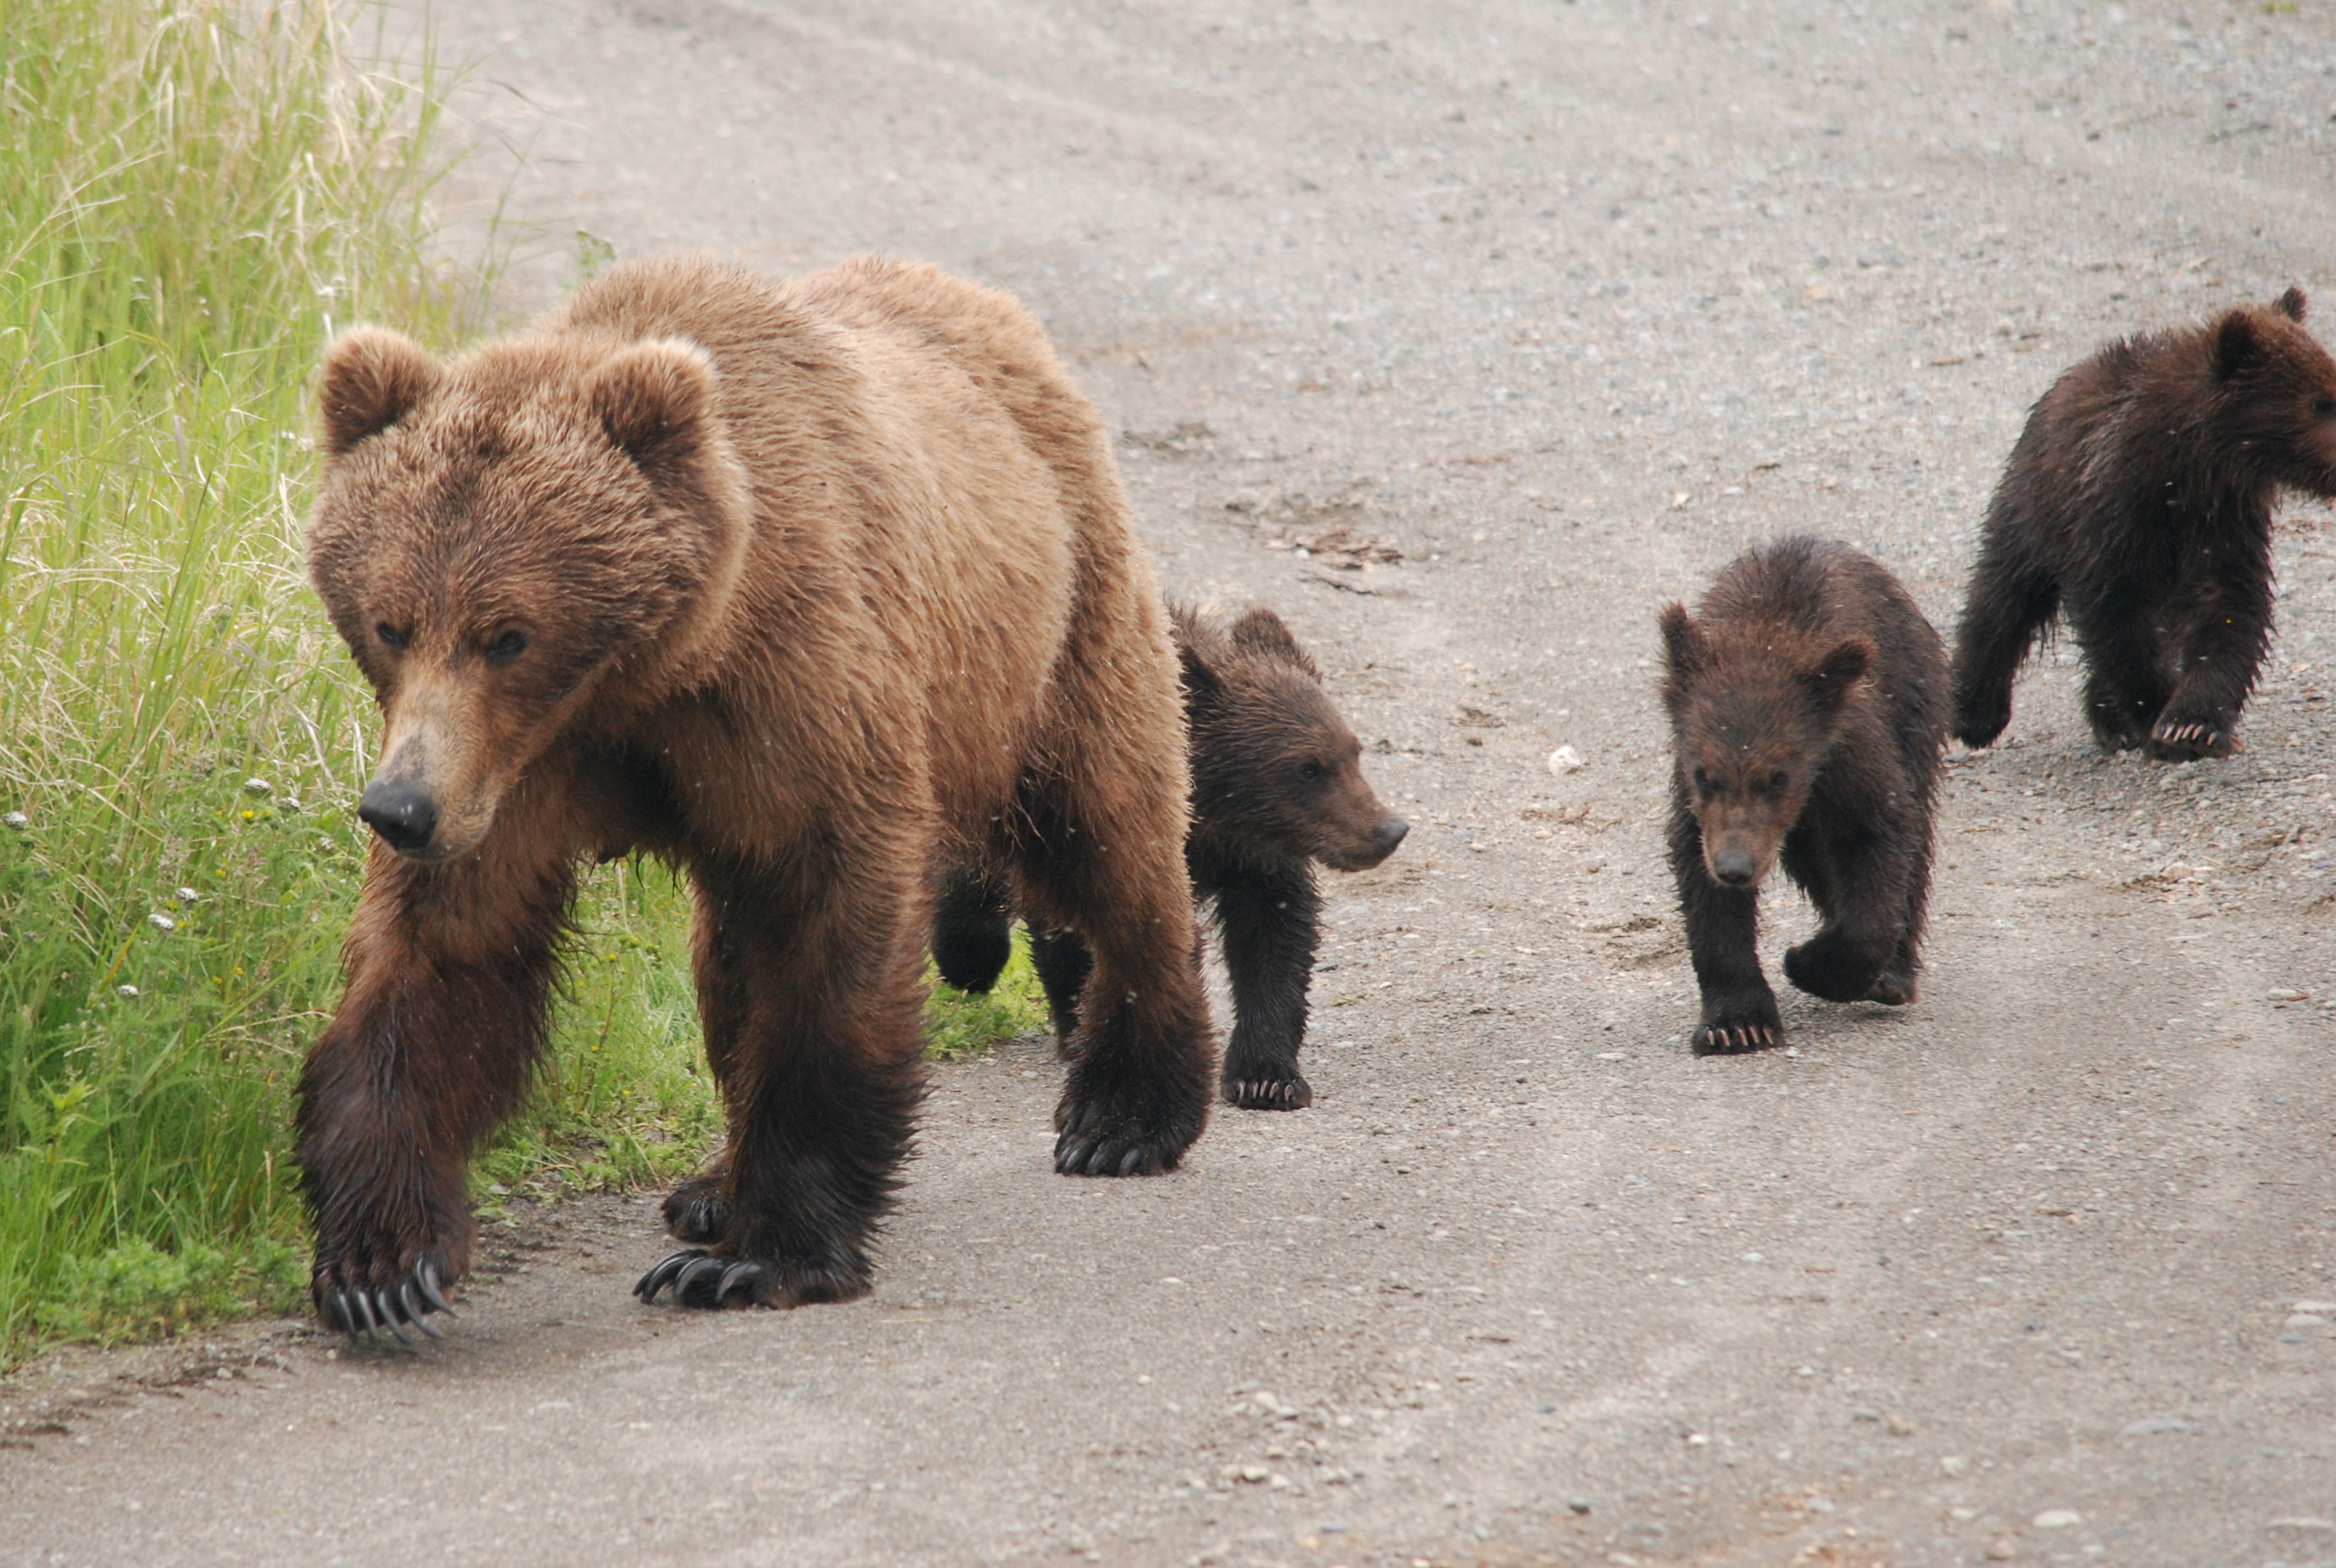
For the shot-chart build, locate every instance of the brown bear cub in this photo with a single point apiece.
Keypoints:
(1278, 787)
(2138, 500)
(1808, 700)
(807, 588)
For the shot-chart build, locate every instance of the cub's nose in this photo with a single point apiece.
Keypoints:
(403, 814)
(1734, 867)
(1389, 833)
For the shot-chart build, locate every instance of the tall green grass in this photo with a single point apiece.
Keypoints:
(193, 195)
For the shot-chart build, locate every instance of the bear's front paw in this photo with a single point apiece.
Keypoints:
(354, 1308)
(1741, 1021)
(1268, 1089)
(2187, 739)
(1833, 966)
(697, 1211)
(704, 1278)
(1118, 1124)
(1979, 719)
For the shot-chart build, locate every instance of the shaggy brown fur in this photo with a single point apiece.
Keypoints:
(1278, 787)
(2139, 500)
(1807, 699)
(810, 588)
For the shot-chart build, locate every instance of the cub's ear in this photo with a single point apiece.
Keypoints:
(2290, 305)
(1196, 644)
(2236, 345)
(1260, 631)
(1843, 667)
(373, 378)
(655, 401)
(1683, 645)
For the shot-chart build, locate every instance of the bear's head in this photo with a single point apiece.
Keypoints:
(1755, 709)
(525, 541)
(1276, 771)
(2279, 407)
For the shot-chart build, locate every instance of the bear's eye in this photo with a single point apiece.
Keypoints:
(390, 636)
(1311, 771)
(1777, 781)
(2323, 405)
(1703, 780)
(506, 646)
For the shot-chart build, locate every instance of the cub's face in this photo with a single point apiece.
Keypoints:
(1753, 717)
(494, 536)
(1306, 778)
(2285, 382)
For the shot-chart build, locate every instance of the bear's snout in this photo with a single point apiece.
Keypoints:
(1387, 834)
(1736, 867)
(401, 811)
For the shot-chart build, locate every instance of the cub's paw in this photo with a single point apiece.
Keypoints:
(1746, 1022)
(1118, 1124)
(2184, 740)
(1268, 1089)
(703, 1279)
(1832, 966)
(1979, 719)
(1892, 988)
(697, 1211)
(372, 1310)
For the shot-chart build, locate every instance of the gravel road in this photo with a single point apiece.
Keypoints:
(1567, 303)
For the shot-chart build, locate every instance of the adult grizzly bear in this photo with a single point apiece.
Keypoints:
(2138, 500)
(1807, 699)
(808, 587)
(1277, 788)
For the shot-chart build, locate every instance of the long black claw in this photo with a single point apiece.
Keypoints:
(364, 1313)
(337, 1314)
(684, 1284)
(416, 1314)
(389, 1318)
(734, 1276)
(663, 1274)
(425, 1277)
(1129, 1163)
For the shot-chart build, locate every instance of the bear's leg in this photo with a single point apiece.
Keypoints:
(2223, 611)
(1739, 1010)
(1848, 956)
(1268, 920)
(2010, 602)
(808, 984)
(2124, 684)
(697, 1210)
(1063, 963)
(973, 931)
(449, 970)
(1138, 1089)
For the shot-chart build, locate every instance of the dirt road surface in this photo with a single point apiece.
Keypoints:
(1567, 303)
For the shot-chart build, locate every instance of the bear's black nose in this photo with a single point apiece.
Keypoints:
(403, 814)
(1389, 833)
(1734, 867)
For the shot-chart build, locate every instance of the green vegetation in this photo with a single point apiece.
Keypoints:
(193, 194)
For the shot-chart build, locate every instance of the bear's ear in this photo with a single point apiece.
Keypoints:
(373, 378)
(1683, 645)
(2290, 305)
(1195, 641)
(2235, 345)
(1843, 667)
(1260, 631)
(655, 401)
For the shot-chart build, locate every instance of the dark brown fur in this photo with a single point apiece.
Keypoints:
(808, 587)
(1807, 699)
(1277, 788)
(2138, 500)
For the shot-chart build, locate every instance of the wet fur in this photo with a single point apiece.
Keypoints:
(2138, 503)
(1808, 700)
(1256, 718)
(815, 586)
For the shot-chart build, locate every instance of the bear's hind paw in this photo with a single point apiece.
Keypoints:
(1269, 1092)
(696, 1210)
(392, 1309)
(1894, 988)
